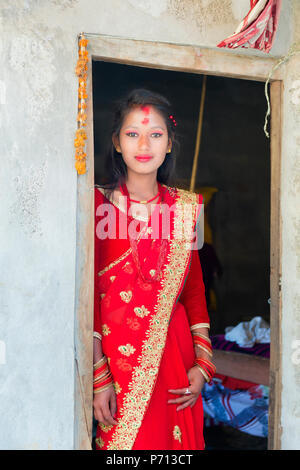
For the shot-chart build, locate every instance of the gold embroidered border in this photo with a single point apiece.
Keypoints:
(144, 375)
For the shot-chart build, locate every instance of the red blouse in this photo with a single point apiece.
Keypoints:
(107, 250)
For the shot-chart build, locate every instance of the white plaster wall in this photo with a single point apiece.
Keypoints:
(291, 247)
(38, 105)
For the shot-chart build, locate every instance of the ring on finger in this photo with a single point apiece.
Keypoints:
(187, 392)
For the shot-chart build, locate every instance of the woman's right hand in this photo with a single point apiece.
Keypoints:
(105, 406)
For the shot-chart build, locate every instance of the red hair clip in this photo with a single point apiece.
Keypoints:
(173, 119)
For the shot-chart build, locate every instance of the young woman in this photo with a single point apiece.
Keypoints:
(152, 352)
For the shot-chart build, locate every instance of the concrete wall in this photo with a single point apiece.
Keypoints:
(290, 206)
(38, 104)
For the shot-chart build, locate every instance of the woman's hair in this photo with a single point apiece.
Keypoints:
(116, 170)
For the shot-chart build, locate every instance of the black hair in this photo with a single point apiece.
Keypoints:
(115, 167)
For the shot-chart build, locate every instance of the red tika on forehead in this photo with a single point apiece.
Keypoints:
(145, 121)
(145, 109)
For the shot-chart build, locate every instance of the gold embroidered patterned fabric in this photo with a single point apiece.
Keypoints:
(137, 326)
(177, 433)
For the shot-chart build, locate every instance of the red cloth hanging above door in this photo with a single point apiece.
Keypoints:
(257, 30)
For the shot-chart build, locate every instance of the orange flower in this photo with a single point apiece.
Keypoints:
(81, 133)
(81, 67)
(81, 117)
(82, 105)
(80, 155)
(82, 82)
(82, 95)
(80, 167)
(83, 42)
(79, 142)
(84, 55)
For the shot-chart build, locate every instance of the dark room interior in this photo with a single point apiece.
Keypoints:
(233, 174)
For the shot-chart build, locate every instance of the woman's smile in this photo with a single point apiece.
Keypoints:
(143, 158)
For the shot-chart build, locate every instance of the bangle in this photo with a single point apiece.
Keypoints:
(199, 325)
(207, 368)
(104, 381)
(101, 389)
(101, 372)
(195, 333)
(208, 351)
(97, 335)
(102, 377)
(99, 363)
(202, 342)
(207, 365)
(203, 373)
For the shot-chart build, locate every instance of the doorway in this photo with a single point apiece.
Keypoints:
(233, 175)
(226, 73)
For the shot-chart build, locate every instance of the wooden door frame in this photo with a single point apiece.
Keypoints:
(185, 58)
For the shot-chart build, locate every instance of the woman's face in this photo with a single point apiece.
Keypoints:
(143, 134)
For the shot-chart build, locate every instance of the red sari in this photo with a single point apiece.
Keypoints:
(146, 331)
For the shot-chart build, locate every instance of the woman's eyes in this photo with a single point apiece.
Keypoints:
(131, 134)
(135, 134)
(157, 134)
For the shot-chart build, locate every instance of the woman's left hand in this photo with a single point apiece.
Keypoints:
(196, 381)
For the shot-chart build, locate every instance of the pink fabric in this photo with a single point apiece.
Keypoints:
(257, 29)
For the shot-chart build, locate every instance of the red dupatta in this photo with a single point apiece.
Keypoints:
(135, 315)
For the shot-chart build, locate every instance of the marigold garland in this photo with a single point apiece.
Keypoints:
(81, 137)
